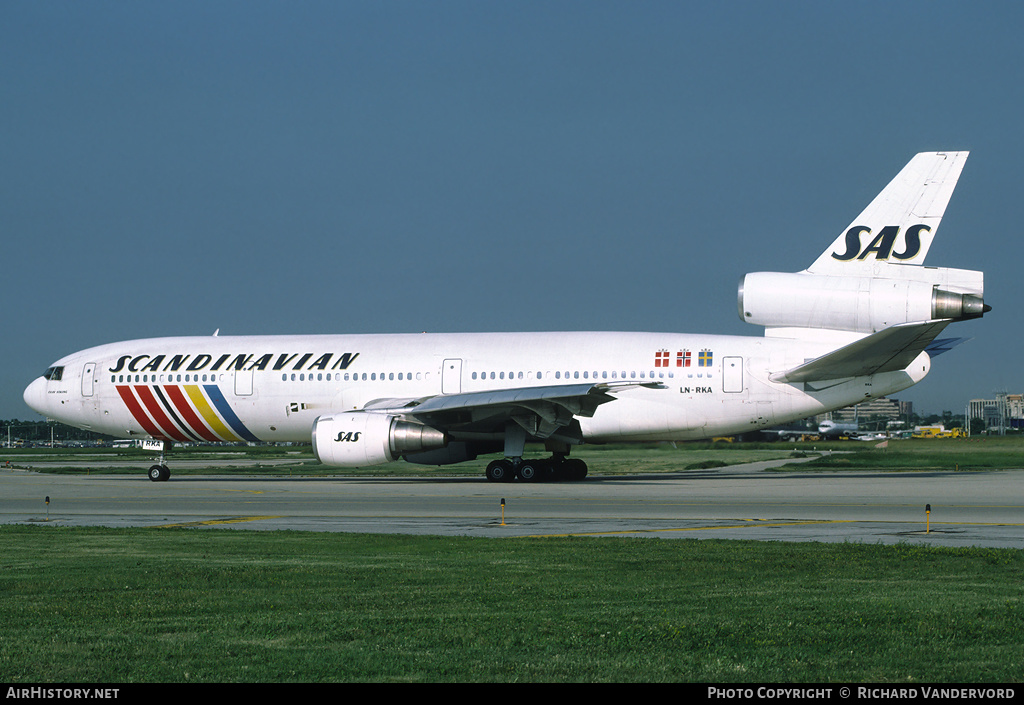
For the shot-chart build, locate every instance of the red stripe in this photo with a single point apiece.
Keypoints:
(146, 395)
(133, 406)
(185, 409)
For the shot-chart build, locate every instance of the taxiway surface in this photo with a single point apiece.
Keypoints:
(741, 502)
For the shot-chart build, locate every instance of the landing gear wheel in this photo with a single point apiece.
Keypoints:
(530, 471)
(574, 469)
(500, 471)
(159, 473)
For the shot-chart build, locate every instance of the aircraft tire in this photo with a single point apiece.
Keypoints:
(575, 469)
(531, 471)
(159, 473)
(499, 471)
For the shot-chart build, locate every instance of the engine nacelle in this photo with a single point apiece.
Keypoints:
(360, 439)
(861, 304)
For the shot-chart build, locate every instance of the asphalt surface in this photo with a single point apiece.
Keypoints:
(740, 502)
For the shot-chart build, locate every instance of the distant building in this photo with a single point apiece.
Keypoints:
(874, 410)
(1003, 412)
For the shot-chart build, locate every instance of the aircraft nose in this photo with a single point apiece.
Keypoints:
(35, 396)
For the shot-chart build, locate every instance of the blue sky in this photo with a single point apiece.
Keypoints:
(335, 167)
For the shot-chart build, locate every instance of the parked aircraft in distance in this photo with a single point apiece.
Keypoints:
(855, 325)
(832, 429)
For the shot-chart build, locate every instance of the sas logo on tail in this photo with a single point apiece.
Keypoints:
(882, 243)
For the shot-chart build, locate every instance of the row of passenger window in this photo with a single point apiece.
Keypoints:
(408, 376)
(161, 379)
(393, 376)
(586, 374)
(352, 376)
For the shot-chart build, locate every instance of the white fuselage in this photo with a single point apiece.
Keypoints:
(272, 388)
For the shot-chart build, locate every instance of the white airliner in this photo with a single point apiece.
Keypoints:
(832, 429)
(854, 325)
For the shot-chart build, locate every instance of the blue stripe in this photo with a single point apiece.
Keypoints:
(213, 391)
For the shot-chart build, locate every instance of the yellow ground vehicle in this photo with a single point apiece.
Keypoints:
(938, 432)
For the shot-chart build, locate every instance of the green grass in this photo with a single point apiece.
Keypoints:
(963, 454)
(149, 605)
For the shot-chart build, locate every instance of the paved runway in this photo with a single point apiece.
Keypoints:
(741, 502)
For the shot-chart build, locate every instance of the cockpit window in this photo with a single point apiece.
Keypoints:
(54, 373)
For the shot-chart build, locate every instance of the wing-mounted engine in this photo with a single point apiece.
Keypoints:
(890, 295)
(360, 439)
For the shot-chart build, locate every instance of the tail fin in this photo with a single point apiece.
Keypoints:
(897, 227)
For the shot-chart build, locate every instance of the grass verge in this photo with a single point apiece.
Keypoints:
(175, 605)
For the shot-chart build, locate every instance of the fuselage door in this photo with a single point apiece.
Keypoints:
(451, 376)
(87, 379)
(243, 383)
(732, 374)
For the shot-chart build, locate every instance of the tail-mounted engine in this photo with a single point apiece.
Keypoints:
(902, 294)
(360, 439)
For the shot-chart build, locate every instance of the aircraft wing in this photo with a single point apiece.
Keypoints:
(541, 411)
(887, 350)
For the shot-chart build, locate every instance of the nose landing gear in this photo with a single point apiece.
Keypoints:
(160, 472)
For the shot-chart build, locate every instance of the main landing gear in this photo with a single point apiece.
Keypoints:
(513, 467)
(556, 468)
(160, 472)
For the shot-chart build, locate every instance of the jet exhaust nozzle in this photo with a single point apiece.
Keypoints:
(946, 304)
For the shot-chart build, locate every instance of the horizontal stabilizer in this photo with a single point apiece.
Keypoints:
(888, 350)
(941, 345)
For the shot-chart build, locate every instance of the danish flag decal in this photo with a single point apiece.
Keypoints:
(662, 358)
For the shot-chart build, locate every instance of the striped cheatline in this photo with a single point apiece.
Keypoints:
(184, 412)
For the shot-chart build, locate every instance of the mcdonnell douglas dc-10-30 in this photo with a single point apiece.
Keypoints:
(860, 322)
